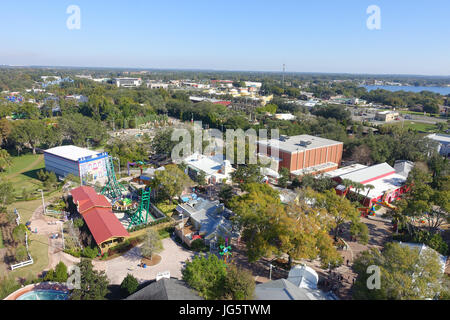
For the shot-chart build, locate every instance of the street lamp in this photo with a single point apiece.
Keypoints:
(270, 274)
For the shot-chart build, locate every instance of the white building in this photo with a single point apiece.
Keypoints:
(285, 116)
(157, 85)
(82, 163)
(128, 82)
(444, 143)
(215, 168)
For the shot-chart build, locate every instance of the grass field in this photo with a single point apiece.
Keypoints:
(1, 240)
(23, 174)
(39, 252)
(417, 126)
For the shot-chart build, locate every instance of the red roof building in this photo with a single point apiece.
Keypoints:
(96, 211)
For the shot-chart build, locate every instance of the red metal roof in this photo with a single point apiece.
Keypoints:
(104, 225)
(86, 198)
(96, 211)
(225, 103)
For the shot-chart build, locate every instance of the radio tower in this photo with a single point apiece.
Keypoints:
(284, 69)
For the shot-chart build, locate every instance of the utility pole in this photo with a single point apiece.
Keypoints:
(270, 274)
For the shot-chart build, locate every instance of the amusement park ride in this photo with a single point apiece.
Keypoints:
(138, 214)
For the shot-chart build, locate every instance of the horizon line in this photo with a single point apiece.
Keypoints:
(225, 70)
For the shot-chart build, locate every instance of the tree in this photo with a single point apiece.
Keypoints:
(5, 130)
(152, 244)
(171, 182)
(6, 193)
(226, 194)
(93, 283)
(260, 215)
(239, 284)
(28, 134)
(340, 208)
(162, 142)
(206, 275)
(60, 272)
(306, 235)
(284, 177)
(245, 174)
(359, 231)
(5, 160)
(405, 274)
(129, 285)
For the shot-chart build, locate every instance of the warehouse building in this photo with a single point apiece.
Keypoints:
(387, 184)
(83, 163)
(303, 154)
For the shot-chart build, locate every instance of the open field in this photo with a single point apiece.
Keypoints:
(417, 126)
(23, 174)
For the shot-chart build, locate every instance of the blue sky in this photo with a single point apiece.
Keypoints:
(307, 36)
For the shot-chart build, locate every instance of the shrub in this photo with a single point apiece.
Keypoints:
(50, 275)
(73, 252)
(89, 252)
(198, 245)
(129, 285)
(21, 253)
(239, 284)
(60, 274)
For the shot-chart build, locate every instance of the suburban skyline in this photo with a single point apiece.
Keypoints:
(323, 37)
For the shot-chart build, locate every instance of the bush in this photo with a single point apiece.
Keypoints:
(60, 274)
(73, 252)
(198, 245)
(434, 241)
(239, 284)
(21, 253)
(129, 285)
(89, 252)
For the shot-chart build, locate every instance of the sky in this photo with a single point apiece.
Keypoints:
(254, 35)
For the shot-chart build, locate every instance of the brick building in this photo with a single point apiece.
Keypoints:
(302, 154)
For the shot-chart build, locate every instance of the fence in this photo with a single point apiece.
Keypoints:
(24, 263)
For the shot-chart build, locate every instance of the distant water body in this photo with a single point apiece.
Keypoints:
(442, 90)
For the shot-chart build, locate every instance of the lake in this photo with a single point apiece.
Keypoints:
(442, 90)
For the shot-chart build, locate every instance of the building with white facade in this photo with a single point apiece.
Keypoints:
(83, 163)
(128, 82)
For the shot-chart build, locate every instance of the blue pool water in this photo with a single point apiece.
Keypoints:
(44, 295)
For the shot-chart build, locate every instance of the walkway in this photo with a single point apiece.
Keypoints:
(173, 259)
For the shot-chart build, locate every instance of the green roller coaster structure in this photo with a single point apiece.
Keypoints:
(142, 213)
(113, 189)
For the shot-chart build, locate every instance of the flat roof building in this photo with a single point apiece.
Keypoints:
(303, 154)
(128, 82)
(83, 163)
(444, 143)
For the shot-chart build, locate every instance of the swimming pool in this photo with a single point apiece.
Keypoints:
(44, 295)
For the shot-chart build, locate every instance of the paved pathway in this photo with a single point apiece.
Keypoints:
(173, 259)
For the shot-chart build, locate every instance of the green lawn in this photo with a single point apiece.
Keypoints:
(39, 252)
(418, 126)
(22, 174)
(1, 240)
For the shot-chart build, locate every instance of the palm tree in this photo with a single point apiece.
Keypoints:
(368, 187)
